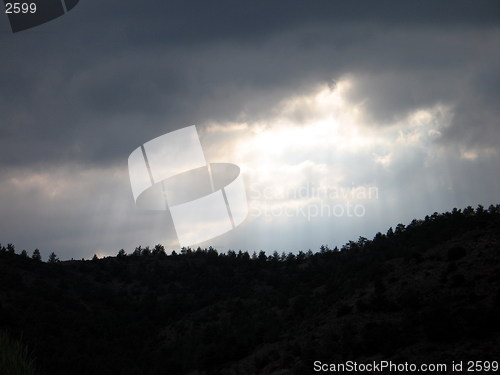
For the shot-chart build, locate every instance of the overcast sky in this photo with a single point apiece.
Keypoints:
(387, 107)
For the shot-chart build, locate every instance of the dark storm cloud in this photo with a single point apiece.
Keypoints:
(93, 84)
(199, 21)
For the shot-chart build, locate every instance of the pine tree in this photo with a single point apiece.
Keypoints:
(159, 250)
(36, 255)
(53, 258)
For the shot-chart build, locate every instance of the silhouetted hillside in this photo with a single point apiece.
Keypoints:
(428, 292)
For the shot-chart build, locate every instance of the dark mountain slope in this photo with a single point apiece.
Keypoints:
(425, 293)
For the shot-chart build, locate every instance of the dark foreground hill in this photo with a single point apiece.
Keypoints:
(426, 293)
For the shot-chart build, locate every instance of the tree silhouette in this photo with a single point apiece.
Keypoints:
(36, 255)
(159, 250)
(137, 251)
(146, 252)
(53, 258)
(209, 313)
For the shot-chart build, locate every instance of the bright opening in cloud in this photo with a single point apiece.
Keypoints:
(323, 140)
(309, 161)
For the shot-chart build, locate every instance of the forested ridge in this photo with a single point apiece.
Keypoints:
(422, 292)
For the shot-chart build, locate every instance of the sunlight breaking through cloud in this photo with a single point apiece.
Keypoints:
(316, 170)
(323, 140)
